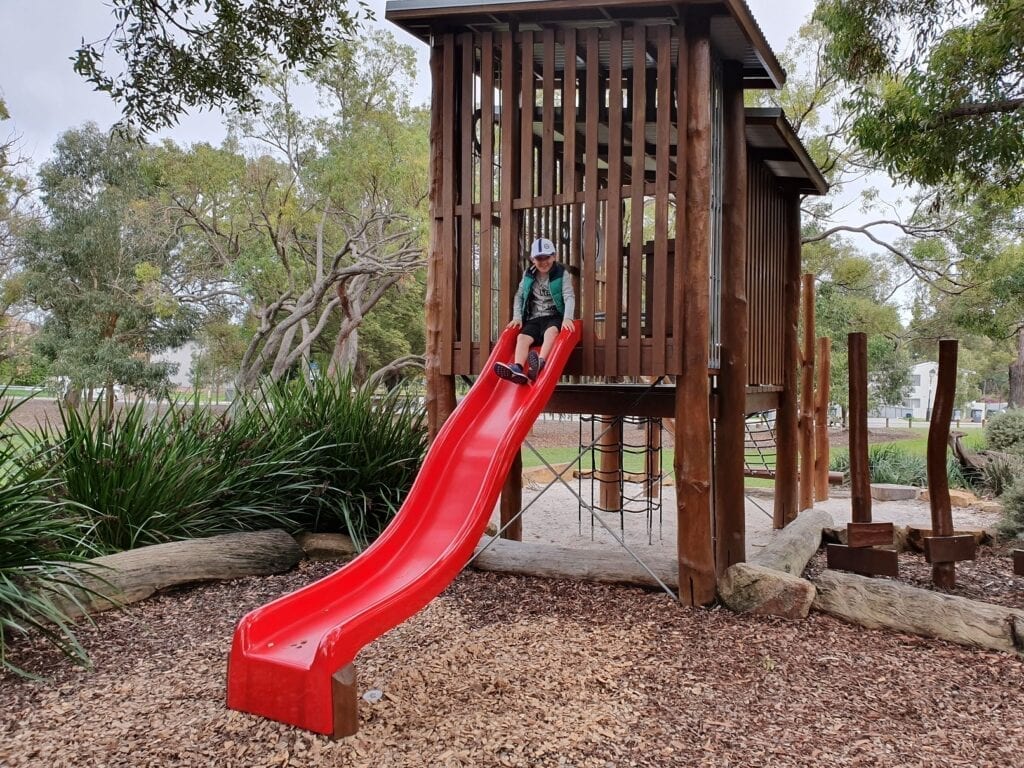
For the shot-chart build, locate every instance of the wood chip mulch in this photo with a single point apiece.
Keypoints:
(512, 671)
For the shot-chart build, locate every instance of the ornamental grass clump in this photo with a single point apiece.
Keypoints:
(42, 540)
(148, 475)
(368, 448)
(888, 463)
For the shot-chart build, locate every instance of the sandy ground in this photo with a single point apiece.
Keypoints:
(560, 515)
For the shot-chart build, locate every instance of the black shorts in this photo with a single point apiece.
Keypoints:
(536, 326)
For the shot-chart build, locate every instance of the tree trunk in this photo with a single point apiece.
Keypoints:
(1017, 375)
(133, 575)
(880, 603)
(613, 566)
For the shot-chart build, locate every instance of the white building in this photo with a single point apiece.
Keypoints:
(921, 397)
(182, 357)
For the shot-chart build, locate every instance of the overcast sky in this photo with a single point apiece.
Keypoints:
(45, 97)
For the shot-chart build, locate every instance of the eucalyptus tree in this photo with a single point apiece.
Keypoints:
(937, 99)
(15, 207)
(163, 57)
(93, 265)
(323, 217)
(937, 86)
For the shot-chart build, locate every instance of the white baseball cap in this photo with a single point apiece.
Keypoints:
(542, 247)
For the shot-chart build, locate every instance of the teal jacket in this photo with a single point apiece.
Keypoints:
(555, 280)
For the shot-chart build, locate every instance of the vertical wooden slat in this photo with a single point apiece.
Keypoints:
(634, 264)
(682, 173)
(569, 118)
(547, 163)
(693, 422)
(487, 166)
(943, 573)
(860, 475)
(659, 308)
(588, 301)
(464, 262)
(440, 396)
(511, 493)
(786, 425)
(527, 86)
(613, 227)
(510, 157)
(730, 514)
(807, 396)
(821, 450)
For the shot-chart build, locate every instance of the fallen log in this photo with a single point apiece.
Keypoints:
(135, 574)
(791, 548)
(974, 464)
(326, 546)
(878, 604)
(769, 583)
(551, 562)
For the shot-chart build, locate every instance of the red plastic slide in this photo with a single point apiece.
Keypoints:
(284, 654)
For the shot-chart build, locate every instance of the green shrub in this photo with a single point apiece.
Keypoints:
(40, 544)
(1004, 431)
(955, 474)
(1012, 522)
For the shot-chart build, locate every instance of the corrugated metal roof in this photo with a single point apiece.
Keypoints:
(735, 34)
(767, 129)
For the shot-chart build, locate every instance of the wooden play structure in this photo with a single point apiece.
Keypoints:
(618, 129)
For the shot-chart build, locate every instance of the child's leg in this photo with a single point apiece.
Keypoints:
(549, 341)
(523, 342)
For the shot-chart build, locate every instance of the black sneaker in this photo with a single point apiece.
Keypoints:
(513, 372)
(534, 365)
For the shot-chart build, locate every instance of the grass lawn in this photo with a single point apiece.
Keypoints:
(915, 444)
(632, 462)
(918, 444)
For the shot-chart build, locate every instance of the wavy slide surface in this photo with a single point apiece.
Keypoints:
(284, 654)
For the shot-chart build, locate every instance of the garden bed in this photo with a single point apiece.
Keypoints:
(514, 671)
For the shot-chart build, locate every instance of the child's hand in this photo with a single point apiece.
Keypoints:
(567, 324)
(514, 324)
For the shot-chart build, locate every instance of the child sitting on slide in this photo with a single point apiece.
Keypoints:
(544, 303)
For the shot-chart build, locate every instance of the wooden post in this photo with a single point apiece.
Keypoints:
(807, 396)
(860, 476)
(943, 573)
(693, 406)
(512, 500)
(609, 457)
(859, 554)
(730, 501)
(652, 459)
(786, 425)
(345, 702)
(508, 260)
(821, 448)
(440, 396)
